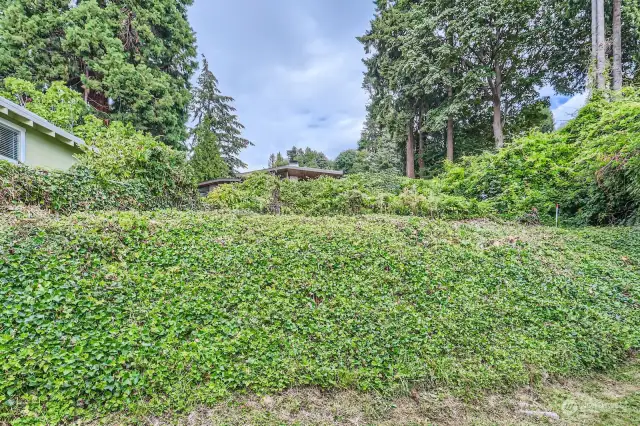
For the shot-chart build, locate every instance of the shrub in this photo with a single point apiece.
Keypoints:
(353, 195)
(119, 168)
(144, 311)
(82, 190)
(119, 152)
(591, 168)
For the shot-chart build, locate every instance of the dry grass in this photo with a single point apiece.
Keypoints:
(612, 399)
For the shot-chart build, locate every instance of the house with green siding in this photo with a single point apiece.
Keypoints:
(26, 138)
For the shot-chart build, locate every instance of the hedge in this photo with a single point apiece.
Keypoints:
(82, 190)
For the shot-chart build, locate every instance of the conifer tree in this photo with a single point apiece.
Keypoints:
(206, 162)
(131, 59)
(214, 113)
(277, 160)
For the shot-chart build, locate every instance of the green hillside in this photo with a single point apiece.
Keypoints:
(134, 311)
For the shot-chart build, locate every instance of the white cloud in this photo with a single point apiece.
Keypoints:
(319, 103)
(294, 68)
(565, 112)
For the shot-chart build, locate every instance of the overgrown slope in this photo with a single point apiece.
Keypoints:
(132, 310)
(591, 168)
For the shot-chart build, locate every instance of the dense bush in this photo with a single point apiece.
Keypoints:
(355, 194)
(119, 168)
(591, 168)
(157, 310)
(83, 190)
(119, 152)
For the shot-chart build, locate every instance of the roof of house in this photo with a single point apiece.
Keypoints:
(218, 182)
(298, 170)
(29, 119)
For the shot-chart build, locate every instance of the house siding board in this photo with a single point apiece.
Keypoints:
(45, 151)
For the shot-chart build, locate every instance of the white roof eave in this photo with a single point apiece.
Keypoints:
(29, 119)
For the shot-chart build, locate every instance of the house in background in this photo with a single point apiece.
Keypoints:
(291, 171)
(205, 188)
(26, 138)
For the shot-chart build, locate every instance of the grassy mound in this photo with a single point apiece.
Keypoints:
(135, 311)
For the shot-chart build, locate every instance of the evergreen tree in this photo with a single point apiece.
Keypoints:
(206, 162)
(308, 157)
(574, 42)
(346, 160)
(213, 112)
(439, 68)
(131, 59)
(277, 160)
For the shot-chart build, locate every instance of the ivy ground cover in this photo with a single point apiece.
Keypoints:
(167, 310)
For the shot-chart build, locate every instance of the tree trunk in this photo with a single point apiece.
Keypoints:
(411, 162)
(496, 92)
(602, 45)
(594, 43)
(420, 146)
(450, 130)
(617, 44)
(498, 135)
(86, 88)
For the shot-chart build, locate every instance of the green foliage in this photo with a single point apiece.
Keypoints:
(356, 194)
(119, 152)
(213, 113)
(132, 60)
(474, 62)
(58, 104)
(152, 311)
(206, 161)
(591, 168)
(83, 190)
(346, 160)
(308, 157)
(570, 42)
(114, 152)
(277, 160)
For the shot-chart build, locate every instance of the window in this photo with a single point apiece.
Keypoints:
(11, 142)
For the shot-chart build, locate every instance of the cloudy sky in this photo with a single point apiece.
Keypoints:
(294, 68)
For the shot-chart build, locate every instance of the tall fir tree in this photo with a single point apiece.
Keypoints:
(214, 113)
(131, 59)
(206, 162)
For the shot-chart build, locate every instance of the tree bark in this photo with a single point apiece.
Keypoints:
(594, 43)
(86, 88)
(420, 148)
(498, 135)
(617, 44)
(450, 130)
(496, 92)
(602, 42)
(411, 172)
